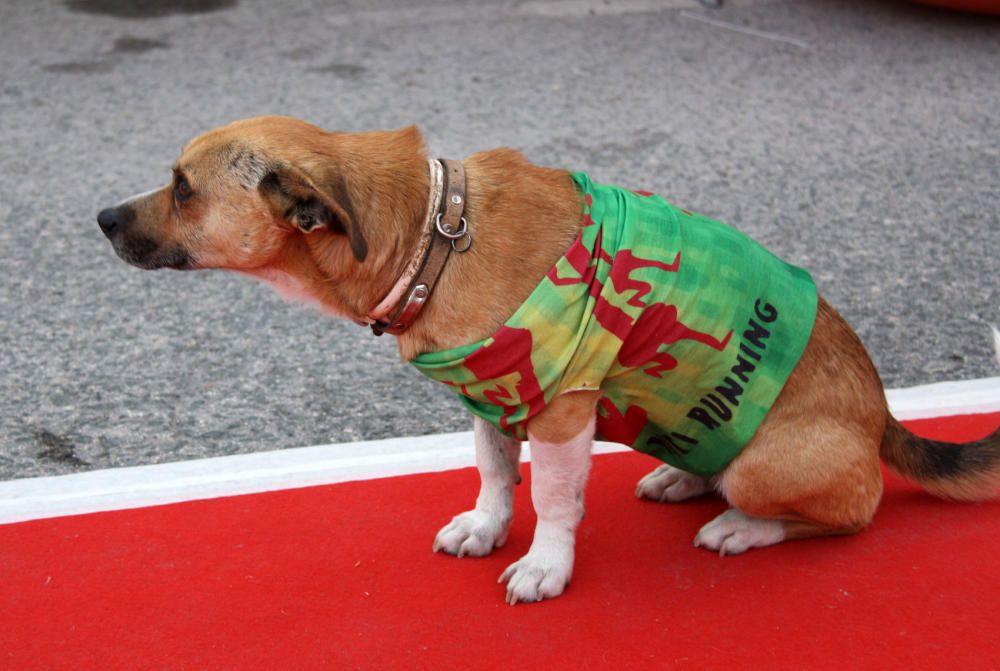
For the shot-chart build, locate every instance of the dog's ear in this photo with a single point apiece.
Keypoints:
(309, 204)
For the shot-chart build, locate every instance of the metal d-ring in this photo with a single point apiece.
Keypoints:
(463, 228)
(468, 237)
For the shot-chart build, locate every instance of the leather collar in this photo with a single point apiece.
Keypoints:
(446, 230)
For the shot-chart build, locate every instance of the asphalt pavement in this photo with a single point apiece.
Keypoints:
(858, 139)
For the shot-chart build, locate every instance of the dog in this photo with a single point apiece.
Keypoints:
(347, 222)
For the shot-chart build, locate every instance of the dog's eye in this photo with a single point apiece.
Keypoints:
(182, 189)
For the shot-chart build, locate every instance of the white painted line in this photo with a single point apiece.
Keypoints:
(413, 15)
(746, 30)
(142, 486)
(968, 397)
(996, 342)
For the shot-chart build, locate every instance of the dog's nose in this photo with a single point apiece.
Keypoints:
(110, 220)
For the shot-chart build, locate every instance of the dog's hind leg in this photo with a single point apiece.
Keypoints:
(670, 484)
(796, 482)
(477, 532)
(812, 468)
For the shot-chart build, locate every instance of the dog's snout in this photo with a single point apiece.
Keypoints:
(112, 219)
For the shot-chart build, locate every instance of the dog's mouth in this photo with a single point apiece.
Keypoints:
(150, 255)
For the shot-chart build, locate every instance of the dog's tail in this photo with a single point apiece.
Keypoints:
(963, 472)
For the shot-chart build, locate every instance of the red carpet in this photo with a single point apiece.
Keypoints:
(342, 577)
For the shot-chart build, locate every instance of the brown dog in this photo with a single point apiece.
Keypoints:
(335, 218)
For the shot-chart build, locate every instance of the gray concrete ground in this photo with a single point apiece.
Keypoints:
(858, 139)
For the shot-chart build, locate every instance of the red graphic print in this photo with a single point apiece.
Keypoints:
(625, 262)
(581, 261)
(612, 318)
(510, 353)
(659, 325)
(618, 428)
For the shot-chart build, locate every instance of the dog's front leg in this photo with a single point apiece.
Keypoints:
(560, 461)
(476, 532)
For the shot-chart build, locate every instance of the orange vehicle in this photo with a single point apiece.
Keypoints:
(984, 6)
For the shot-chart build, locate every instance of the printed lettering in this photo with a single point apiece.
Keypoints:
(731, 390)
(767, 314)
(701, 415)
(756, 334)
(670, 443)
(743, 368)
(716, 405)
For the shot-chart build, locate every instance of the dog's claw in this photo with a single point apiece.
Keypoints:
(474, 533)
(667, 483)
(734, 532)
(543, 575)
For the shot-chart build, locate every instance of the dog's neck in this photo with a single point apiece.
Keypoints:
(522, 218)
(389, 185)
(389, 304)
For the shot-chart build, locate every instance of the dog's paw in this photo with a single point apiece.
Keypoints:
(540, 574)
(671, 484)
(474, 533)
(733, 533)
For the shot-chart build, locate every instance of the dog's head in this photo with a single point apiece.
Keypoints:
(238, 195)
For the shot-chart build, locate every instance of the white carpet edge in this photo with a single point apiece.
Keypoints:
(157, 484)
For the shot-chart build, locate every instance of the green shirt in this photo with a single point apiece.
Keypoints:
(688, 327)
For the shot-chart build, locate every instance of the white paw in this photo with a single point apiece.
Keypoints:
(543, 573)
(667, 483)
(733, 533)
(474, 533)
